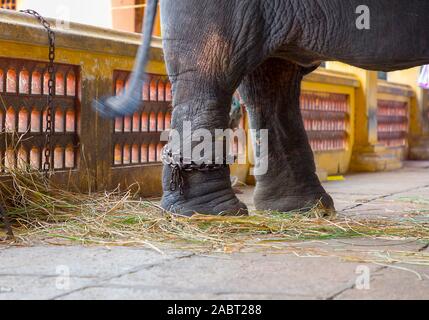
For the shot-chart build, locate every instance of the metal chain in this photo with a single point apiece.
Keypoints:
(179, 167)
(49, 111)
(51, 87)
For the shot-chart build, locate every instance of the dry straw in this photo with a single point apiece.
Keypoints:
(41, 211)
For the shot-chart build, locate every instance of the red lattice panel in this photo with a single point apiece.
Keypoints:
(392, 118)
(136, 138)
(326, 120)
(23, 90)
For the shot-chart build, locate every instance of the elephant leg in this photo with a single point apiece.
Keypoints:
(206, 57)
(272, 95)
(200, 105)
(204, 192)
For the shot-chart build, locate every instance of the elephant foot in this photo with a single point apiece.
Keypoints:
(321, 205)
(204, 193)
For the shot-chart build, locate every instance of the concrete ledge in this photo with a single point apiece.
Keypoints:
(419, 148)
(333, 77)
(23, 28)
(374, 159)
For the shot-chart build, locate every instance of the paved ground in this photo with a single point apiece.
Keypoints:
(139, 273)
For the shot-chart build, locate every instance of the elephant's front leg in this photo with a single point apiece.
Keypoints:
(199, 112)
(272, 96)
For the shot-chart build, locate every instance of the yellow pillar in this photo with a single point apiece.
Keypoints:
(368, 154)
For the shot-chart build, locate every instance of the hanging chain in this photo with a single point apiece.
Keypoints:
(49, 111)
(51, 87)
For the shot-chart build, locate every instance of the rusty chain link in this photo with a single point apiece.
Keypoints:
(47, 166)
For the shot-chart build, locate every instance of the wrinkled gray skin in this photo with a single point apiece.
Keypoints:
(263, 48)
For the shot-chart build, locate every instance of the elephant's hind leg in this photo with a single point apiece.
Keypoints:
(272, 96)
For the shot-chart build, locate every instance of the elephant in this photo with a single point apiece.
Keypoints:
(263, 48)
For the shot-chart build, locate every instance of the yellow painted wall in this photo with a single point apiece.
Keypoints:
(366, 102)
(97, 68)
(94, 171)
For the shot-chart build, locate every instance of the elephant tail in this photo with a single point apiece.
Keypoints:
(131, 100)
